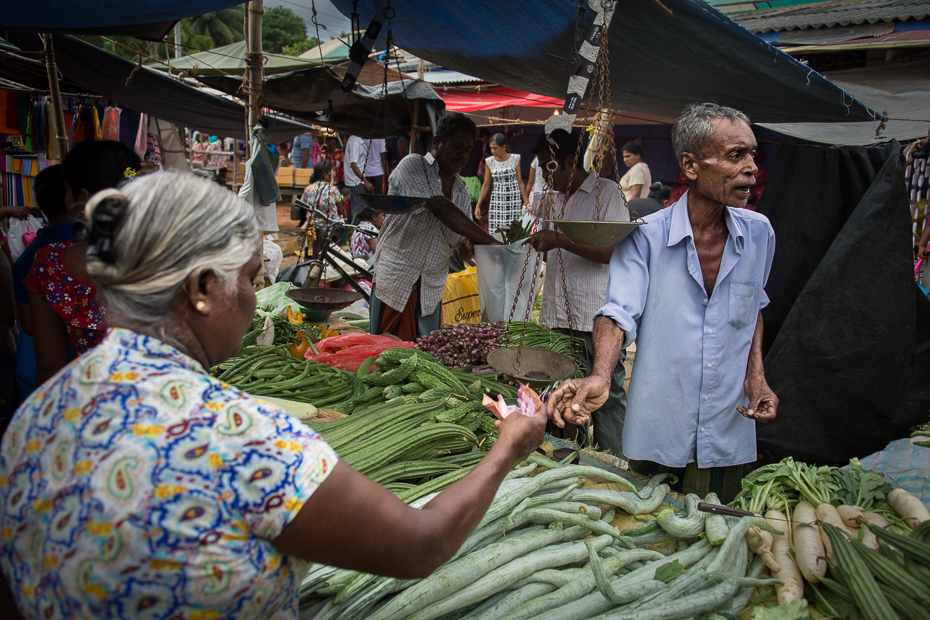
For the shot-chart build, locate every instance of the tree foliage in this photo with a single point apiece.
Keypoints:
(283, 32)
(281, 28)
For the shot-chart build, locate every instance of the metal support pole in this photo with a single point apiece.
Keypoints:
(55, 95)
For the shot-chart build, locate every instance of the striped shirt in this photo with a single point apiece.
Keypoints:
(416, 245)
(586, 280)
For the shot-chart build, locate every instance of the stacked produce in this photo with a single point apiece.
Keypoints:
(274, 371)
(539, 336)
(401, 442)
(546, 549)
(278, 329)
(401, 373)
(848, 524)
(464, 344)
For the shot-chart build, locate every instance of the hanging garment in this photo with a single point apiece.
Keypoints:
(142, 136)
(75, 128)
(260, 188)
(97, 133)
(40, 128)
(111, 118)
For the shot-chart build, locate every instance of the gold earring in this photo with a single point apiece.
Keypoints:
(201, 307)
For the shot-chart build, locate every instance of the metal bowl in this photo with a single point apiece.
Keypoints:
(319, 303)
(391, 204)
(585, 232)
(537, 368)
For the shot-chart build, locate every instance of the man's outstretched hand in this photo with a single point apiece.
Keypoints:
(763, 403)
(576, 399)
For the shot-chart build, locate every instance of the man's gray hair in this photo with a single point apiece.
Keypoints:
(696, 122)
(175, 226)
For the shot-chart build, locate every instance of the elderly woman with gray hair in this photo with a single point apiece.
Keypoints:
(134, 484)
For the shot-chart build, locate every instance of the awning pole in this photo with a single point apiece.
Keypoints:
(414, 128)
(55, 95)
(255, 62)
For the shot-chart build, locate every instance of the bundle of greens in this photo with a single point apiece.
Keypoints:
(518, 231)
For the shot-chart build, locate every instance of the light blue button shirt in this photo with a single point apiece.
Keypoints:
(691, 348)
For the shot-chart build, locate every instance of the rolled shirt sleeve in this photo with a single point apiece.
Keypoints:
(627, 286)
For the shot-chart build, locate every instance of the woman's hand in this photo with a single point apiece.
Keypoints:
(20, 213)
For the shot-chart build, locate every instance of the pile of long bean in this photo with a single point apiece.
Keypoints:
(272, 371)
(401, 443)
(546, 549)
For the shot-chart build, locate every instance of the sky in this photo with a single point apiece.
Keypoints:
(332, 22)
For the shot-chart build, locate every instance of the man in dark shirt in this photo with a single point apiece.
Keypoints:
(50, 198)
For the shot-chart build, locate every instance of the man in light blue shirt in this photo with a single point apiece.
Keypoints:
(688, 287)
(302, 151)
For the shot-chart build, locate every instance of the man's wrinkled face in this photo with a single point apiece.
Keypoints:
(726, 172)
(452, 153)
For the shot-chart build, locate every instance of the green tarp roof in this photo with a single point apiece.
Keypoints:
(230, 60)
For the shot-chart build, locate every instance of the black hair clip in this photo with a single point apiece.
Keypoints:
(100, 231)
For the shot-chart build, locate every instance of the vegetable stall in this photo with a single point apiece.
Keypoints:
(563, 540)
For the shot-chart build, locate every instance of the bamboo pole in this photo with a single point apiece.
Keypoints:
(255, 65)
(55, 95)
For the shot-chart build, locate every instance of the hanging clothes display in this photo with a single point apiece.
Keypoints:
(97, 133)
(111, 120)
(40, 108)
(142, 136)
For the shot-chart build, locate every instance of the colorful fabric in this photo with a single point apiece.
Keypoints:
(111, 123)
(417, 246)
(506, 201)
(325, 199)
(358, 244)
(133, 485)
(74, 301)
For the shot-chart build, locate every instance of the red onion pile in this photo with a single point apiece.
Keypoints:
(464, 344)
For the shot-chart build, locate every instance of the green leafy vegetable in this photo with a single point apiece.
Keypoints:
(795, 610)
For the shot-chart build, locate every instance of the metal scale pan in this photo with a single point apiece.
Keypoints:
(319, 303)
(537, 368)
(587, 232)
(391, 204)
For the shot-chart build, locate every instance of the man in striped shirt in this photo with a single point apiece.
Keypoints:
(414, 248)
(581, 196)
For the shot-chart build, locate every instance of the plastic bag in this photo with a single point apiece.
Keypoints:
(460, 300)
(272, 258)
(350, 350)
(499, 270)
(21, 233)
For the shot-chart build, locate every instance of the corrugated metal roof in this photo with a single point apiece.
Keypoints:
(447, 77)
(836, 13)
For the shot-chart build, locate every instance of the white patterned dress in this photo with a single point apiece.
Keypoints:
(506, 201)
(134, 485)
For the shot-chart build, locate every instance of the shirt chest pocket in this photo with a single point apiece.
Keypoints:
(742, 303)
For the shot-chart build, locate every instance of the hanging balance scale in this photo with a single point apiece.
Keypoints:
(540, 368)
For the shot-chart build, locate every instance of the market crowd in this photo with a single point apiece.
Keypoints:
(130, 479)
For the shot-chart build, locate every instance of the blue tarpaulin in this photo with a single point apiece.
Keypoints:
(663, 55)
(146, 19)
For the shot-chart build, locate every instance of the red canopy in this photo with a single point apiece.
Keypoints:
(497, 97)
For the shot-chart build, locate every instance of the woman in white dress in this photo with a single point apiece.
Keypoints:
(508, 196)
(635, 183)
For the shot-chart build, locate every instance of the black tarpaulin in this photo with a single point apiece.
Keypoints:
(368, 111)
(847, 334)
(144, 19)
(156, 94)
(663, 55)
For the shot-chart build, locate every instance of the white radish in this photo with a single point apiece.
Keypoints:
(911, 509)
(808, 543)
(760, 543)
(868, 538)
(850, 515)
(850, 526)
(787, 572)
(826, 513)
